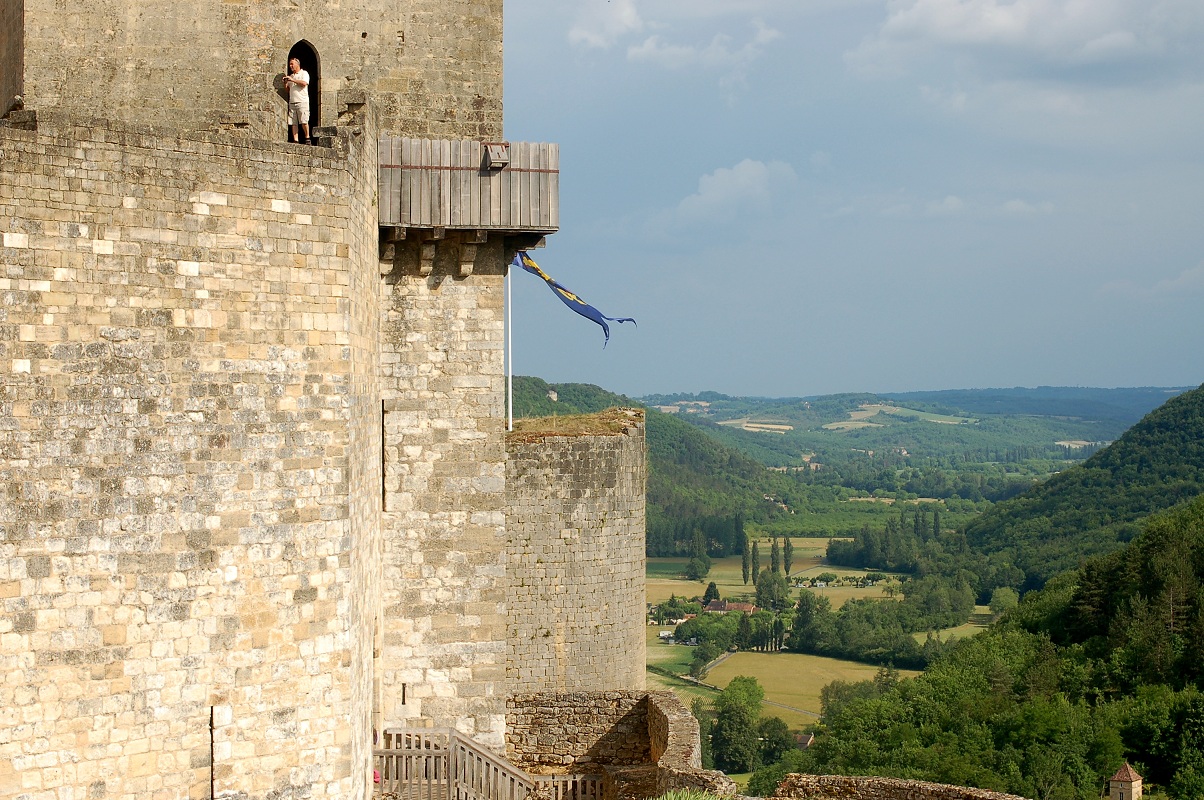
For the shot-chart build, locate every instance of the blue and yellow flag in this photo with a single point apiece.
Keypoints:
(571, 300)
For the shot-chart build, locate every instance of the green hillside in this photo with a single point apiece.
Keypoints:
(1094, 507)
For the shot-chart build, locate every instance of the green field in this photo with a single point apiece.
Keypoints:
(979, 621)
(792, 679)
(789, 679)
(665, 576)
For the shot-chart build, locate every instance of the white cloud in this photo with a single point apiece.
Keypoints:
(952, 204)
(730, 193)
(999, 37)
(1022, 208)
(718, 53)
(1188, 282)
(601, 23)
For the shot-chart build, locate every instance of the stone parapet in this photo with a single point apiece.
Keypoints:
(852, 787)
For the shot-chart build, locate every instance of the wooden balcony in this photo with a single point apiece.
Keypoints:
(462, 191)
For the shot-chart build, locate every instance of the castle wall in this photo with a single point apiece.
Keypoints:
(433, 66)
(361, 311)
(575, 531)
(444, 649)
(12, 38)
(187, 546)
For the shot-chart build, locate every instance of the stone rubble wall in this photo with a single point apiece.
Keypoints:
(575, 525)
(432, 67)
(187, 334)
(644, 743)
(846, 787)
(580, 732)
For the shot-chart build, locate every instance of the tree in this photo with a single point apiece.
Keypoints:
(706, 721)
(812, 623)
(756, 561)
(697, 569)
(776, 740)
(788, 555)
(772, 591)
(712, 593)
(746, 561)
(735, 742)
(744, 632)
(1003, 598)
(775, 557)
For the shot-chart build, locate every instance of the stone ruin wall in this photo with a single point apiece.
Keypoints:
(643, 743)
(215, 62)
(575, 524)
(580, 732)
(188, 497)
(846, 787)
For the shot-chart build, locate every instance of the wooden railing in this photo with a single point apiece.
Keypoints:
(415, 765)
(438, 764)
(570, 787)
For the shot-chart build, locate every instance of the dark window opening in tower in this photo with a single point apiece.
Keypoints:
(307, 54)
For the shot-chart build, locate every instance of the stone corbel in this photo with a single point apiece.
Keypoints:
(426, 251)
(426, 258)
(468, 250)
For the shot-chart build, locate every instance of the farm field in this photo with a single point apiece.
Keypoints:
(792, 679)
(789, 679)
(665, 575)
(979, 621)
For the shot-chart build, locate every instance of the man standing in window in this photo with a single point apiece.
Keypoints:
(297, 81)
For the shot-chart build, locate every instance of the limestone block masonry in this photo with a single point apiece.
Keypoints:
(189, 464)
(575, 548)
(444, 650)
(433, 68)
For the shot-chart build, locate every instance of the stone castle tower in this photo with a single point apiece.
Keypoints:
(253, 477)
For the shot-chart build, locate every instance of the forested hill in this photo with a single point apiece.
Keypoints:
(694, 482)
(1101, 667)
(1094, 507)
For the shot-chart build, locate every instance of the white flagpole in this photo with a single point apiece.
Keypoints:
(509, 351)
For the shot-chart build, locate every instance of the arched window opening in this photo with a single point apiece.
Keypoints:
(307, 54)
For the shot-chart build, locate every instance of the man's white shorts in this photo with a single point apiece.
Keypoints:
(298, 113)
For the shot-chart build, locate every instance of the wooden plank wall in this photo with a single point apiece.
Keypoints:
(428, 183)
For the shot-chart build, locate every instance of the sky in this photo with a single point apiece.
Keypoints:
(801, 197)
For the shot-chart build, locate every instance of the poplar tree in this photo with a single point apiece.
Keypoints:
(788, 555)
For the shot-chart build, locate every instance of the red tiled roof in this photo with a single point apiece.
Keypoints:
(1126, 774)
